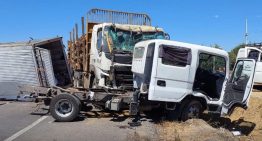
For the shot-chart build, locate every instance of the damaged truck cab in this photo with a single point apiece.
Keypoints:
(111, 53)
(102, 57)
(189, 78)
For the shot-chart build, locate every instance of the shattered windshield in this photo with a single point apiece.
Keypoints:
(122, 40)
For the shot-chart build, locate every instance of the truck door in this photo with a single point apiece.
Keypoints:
(170, 81)
(239, 87)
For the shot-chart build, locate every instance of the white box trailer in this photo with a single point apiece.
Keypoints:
(33, 63)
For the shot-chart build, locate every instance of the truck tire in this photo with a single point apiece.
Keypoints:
(191, 109)
(65, 107)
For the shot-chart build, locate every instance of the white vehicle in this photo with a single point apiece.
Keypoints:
(253, 53)
(190, 78)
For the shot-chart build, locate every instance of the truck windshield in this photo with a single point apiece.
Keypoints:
(123, 40)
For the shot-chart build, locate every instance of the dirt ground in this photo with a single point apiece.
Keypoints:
(246, 122)
(193, 130)
(250, 120)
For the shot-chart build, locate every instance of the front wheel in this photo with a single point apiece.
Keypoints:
(65, 107)
(192, 109)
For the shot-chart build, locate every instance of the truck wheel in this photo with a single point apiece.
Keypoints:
(192, 109)
(65, 107)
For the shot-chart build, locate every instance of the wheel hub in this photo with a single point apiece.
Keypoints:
(63, 108)
(193, 111)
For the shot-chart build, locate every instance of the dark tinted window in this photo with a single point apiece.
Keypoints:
(175, 56)
(253, 54)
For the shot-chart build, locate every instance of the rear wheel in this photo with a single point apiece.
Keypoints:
(192, 109)
(65, 107)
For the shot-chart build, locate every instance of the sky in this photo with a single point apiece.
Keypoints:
(204, 22)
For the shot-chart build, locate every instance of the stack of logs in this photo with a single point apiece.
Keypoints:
(79, 50)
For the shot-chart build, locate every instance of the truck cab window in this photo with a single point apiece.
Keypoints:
(241, 75)
(253, 54)
(175, 56)
(210, 75)
(139, 52)
(99, 39)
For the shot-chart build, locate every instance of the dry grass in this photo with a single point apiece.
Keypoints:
(253, 115)
(199, 130)
(192, 130)
(137, 137)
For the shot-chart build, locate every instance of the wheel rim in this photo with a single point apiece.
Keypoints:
(64, 108)
(193, 111)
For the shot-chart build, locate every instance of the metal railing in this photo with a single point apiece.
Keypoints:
(258, 45)
(111, 16)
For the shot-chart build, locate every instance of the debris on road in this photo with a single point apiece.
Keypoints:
(236, 133)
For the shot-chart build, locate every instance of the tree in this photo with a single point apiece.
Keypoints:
(216, 46)
(233, 55)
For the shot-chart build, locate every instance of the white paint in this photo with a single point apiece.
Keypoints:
(19, 133)
(244, 52)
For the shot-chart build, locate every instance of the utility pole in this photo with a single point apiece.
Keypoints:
(246, 34)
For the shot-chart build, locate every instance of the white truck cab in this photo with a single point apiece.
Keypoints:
(253, 53)
(111, 52)
(191, 77)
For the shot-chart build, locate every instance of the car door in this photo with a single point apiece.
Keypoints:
(239, 86)
(170, 80)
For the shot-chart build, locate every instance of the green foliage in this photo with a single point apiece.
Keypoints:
(233, 55)
(216, 46)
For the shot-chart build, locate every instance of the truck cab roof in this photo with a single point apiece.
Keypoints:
(195, 47)
(129, 27)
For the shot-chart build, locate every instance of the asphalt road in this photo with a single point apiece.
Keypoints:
(16, 123)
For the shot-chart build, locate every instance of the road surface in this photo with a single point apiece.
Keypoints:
(16, 123)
